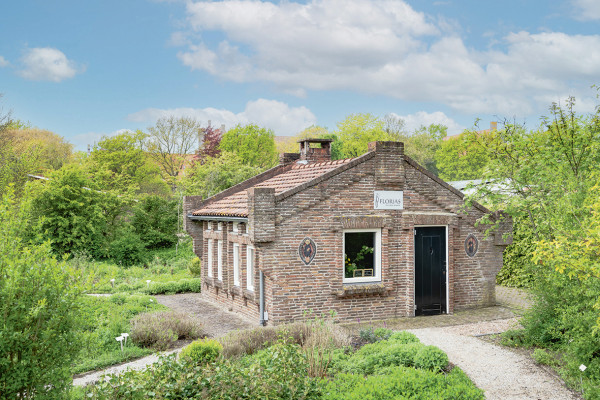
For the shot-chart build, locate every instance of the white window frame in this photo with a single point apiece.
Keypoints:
(220, 260)
(236, 264)
(236, 227)
(220, 226)
(208, 226)
(209, 262)
(250, 268)
(377, 250)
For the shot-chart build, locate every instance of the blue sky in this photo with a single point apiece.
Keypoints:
(84, 69)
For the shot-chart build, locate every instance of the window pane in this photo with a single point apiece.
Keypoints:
(359, 254)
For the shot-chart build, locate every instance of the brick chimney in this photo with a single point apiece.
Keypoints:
(315, 154)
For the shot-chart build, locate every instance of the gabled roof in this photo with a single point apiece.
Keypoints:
(236, 203)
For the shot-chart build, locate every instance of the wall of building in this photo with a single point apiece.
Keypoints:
(322, 212)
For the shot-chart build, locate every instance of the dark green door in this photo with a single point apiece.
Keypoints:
(430, 270)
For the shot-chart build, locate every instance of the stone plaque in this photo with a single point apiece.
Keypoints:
(471, 245)
(307, 250)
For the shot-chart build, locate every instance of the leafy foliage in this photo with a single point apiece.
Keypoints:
(74, 216)
(120, 163)
(38, 314)
(356, 131)
(218, 174)
(210, 146)
(255, 146)
(201, 351)
(154, 219)
(459, 158)
(403, 383)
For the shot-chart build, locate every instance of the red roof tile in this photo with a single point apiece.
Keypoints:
(236, 204)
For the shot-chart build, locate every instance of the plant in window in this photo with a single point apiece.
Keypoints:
(359, 262)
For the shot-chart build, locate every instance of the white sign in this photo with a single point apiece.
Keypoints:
(388, 200)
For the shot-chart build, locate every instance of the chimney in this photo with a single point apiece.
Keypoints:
(315, 154)
(493, 125)
(222, 128)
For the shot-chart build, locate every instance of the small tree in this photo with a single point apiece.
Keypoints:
(38, 314)
(210, 146)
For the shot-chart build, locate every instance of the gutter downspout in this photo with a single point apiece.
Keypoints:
(262, 299)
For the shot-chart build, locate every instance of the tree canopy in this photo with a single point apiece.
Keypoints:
(255, 146)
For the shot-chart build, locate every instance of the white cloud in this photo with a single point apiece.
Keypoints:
(4, 62)
(385, 47)
(423, 118)
(278, 116)
(587, 9)
(47, 64)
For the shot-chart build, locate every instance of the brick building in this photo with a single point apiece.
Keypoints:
(372, 237)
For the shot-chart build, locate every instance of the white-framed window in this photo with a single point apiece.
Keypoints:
(209, 262)
(236, 264)
(250, 268)
(208, 225)
(220, 226)
(236, 227)
(362, 255)
(220, 260)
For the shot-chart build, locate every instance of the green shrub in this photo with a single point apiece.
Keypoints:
(195, 266)
(193, 285)
(161, 329)
(541, 356)
(279, 372)
(402, 383)
(403, 337)
(370, 335)
(38, 314)
(127, 249)
(517, 264)
(431, 358)
(201, 351)
(155, 221)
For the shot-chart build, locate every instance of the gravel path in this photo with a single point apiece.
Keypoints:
(216, 321)
(501, 373)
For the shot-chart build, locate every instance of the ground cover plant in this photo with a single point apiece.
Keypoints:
(167, 270)
(102, 320)
(280, 363)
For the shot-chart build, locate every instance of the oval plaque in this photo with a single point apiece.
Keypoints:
(471, 245)
(307, 250)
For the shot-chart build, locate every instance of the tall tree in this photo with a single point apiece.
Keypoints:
(171, 143)
(356, 131)
(459, 158)
(255, 146)
(120, 163)
(422, 144)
